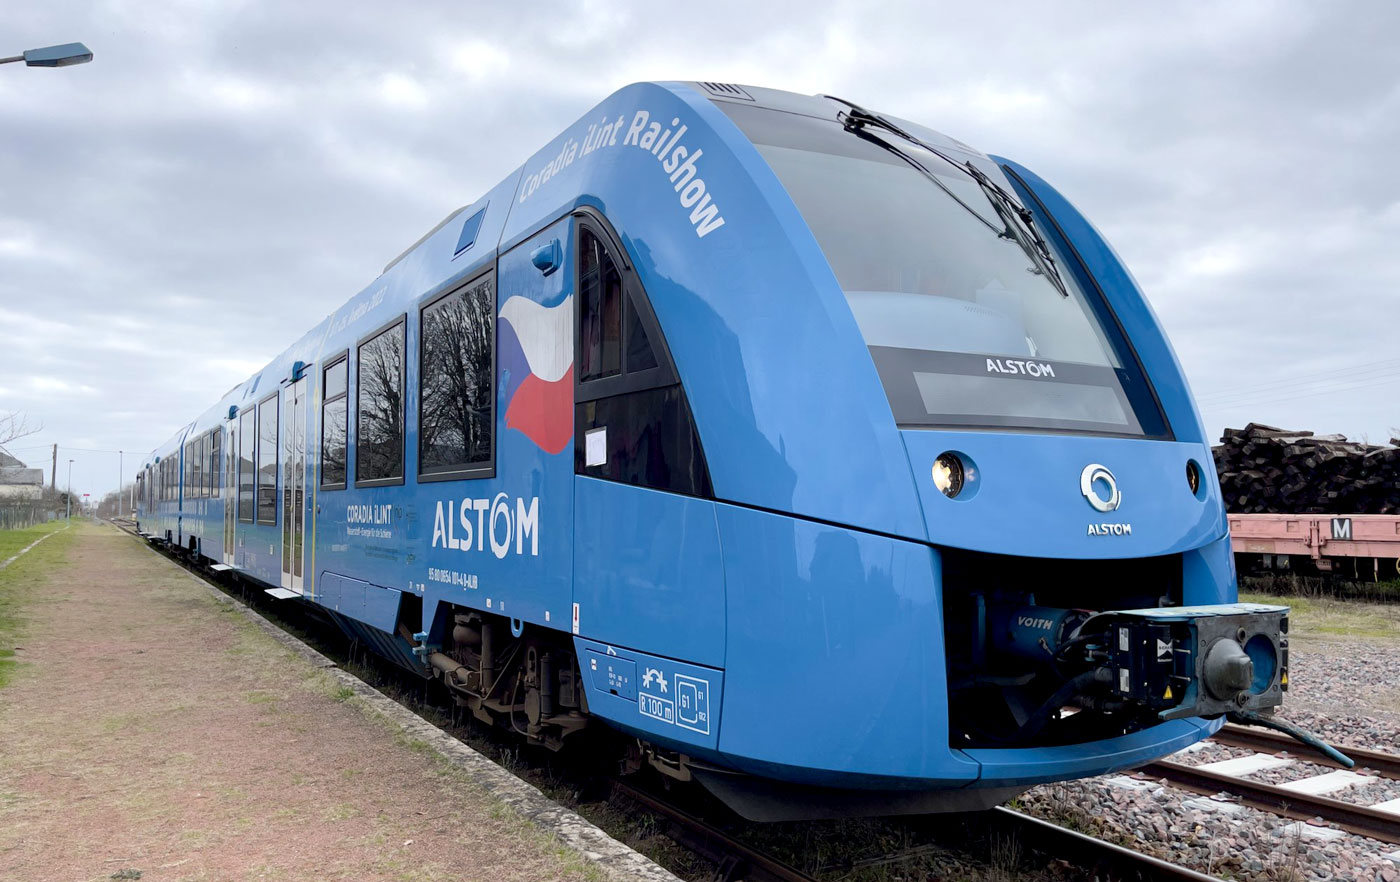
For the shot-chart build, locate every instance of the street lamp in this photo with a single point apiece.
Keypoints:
(69, 494)
(53, 56)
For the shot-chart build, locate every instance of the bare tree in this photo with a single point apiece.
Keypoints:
(456, 378)
(380, 436)
(14, 424)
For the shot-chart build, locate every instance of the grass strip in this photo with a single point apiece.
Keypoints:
(19, 587)
(12, 541)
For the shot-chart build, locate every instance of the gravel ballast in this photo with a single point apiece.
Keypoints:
(1343, 691)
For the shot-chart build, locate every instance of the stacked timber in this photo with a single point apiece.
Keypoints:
(1267, 469)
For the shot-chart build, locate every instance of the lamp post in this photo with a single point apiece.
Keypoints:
(69, 494)
(53, 56)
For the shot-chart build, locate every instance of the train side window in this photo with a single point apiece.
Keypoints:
(196, 483)
(379, 370)
(215, 462)
(333, 412)
(247, 433)
(267, 460)
(456, 401)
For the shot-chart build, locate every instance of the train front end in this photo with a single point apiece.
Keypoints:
(1065, 604)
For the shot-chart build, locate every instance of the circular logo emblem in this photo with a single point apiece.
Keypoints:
(1093, 481)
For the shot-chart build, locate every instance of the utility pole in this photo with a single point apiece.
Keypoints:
(117, 500)
(53, 474)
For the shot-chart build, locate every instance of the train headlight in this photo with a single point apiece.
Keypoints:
(1193, 477)
(948, 474)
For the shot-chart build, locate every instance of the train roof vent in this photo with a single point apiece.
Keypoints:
(727, 90)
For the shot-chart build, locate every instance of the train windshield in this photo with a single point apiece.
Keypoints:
(964, 328)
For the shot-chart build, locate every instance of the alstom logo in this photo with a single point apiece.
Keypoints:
(1018, 366)
(1110, 530)
(472, 524)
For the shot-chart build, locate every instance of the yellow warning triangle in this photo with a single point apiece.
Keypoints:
(1168, 693)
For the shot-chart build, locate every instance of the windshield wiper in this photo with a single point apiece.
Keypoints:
(1018, 224)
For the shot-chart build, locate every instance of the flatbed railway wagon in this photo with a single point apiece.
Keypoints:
(1362, 546)
(827, 457)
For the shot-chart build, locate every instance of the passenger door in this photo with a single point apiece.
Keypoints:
(293, 484)
(230, 466)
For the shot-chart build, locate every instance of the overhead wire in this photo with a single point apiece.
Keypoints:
(1308, 378)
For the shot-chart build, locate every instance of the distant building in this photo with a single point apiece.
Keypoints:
(18, 481)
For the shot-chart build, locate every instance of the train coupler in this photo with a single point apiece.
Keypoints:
(1196, 661)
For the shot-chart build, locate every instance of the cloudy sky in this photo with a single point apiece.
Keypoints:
(226, 173)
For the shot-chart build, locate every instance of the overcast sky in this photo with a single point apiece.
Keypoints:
(224, 174)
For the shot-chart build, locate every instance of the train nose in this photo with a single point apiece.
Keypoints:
(1083, 497)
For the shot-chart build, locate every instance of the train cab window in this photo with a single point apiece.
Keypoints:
(456, 402)
(640, 355)
(632, 422)
(334, 380)
(267, 460)
(379, 370)
(600, 295)
(247, 433)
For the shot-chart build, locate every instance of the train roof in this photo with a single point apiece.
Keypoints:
(681, 249)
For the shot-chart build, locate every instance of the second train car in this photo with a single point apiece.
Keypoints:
(844, 466)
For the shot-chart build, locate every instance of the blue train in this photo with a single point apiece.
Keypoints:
(842, 465)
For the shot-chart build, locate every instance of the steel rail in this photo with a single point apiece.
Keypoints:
(1125, 864)
(1273, 742)
(736, 860)
(1359, 819)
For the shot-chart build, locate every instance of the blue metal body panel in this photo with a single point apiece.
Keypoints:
(1025, 767)
(1208, 574)
(356, 599)
(630, 595)
(815, 611)
(796, 619)
(667, 701)
(497, 565)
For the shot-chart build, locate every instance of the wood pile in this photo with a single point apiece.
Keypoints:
(1267, 469)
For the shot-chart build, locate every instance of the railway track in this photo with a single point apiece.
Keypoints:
(1305, 799)
(735, 859)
